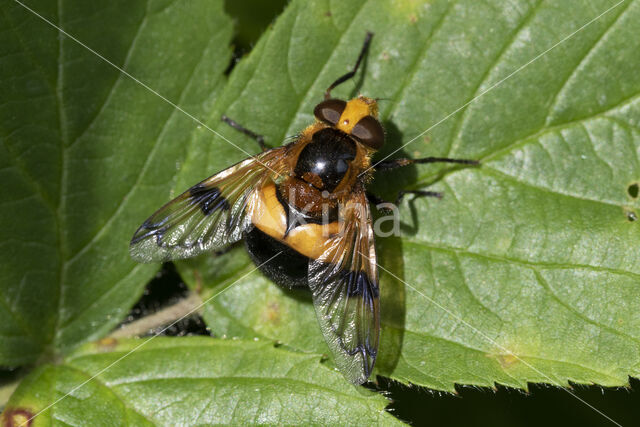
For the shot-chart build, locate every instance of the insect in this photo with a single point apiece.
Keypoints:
(303, 212)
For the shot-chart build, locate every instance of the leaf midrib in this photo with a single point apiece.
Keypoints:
(102, 385)
(524, 263)
(534, 268)
(60, 212)
(432, 177)
(419, 57)
(61, 205)
(525, 357)
(463, 115)
(306, 92)
(112, 387)
(508, 149)
(582, 60)
(545, 285)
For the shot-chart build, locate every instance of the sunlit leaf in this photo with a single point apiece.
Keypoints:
(528, 269)
(87, 153)
(193, 381)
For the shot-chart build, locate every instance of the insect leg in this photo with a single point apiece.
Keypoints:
(398, 163)
(420, 193)
(237, 126)
(378, 201)
(375, 200)
(365, 47)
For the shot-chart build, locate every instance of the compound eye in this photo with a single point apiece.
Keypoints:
(329, 111)
(369, 131)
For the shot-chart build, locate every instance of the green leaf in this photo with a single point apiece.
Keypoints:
(194, 381)
(528, 269)
(87, 154)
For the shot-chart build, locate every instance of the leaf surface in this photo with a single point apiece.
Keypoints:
(87, 153)
(528, 269)
(193, 381)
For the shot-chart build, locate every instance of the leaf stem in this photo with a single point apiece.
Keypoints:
(160, 318)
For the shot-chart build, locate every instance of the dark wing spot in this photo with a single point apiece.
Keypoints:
(148, 229)
(360, 284)
(209, 198)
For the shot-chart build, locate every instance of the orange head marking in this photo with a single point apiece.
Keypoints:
(355, 110)
(357, 117)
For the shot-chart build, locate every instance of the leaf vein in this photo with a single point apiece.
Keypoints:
(575, 312)
(355, 21)
(540, 132)
(115, 82)
(463, 116)
(105, 387)
(418, 59)
(142, 172)
(581, 61)
(524, 263)
(554, 192)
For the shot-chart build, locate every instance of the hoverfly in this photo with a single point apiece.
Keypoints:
(303, 212)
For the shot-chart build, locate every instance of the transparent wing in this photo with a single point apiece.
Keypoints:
(344, 283)
(208, 216)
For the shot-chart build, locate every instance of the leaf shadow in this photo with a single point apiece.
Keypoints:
(390, 249)
(300, 294)
(390, 256)
(392, 305)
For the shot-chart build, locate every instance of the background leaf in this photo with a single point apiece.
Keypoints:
(527, 270)
(534, 253)
(87, 154)
(195, 381)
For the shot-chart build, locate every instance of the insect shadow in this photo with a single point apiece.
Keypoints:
(387, 185)
(390, 256)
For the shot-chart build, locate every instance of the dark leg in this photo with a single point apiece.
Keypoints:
(375, 200)
(398, 163)
(420, 193)
(365, 47)
(239, 127)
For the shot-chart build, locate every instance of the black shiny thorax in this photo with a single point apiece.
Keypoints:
(325, 160)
